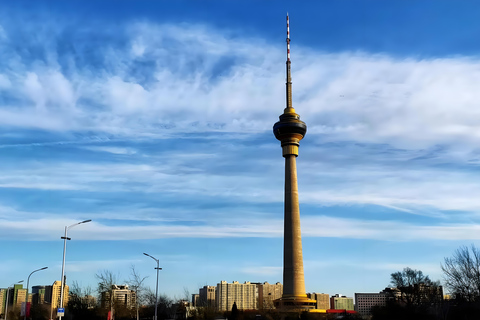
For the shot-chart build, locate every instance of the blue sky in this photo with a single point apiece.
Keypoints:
(154, 119)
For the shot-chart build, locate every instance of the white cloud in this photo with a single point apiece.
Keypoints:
(391, 181)
(348, 95)
(222, 83)
(403, 102)
(114, 150)
(46, 229)
(319, 226)
(325, 226)
(205, 80)
(126, 98)
(34, 90)
(373, 266)
(138, 48)
(414, 189)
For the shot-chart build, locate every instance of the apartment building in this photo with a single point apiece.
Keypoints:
(340, 302)
(196, 300)
(206, 296)
(268, 293)
(20, 296)
(121, 295)
(323, 300)
(16, 296)
(364, 302)
(53, 293)
(3, 298)
(38, 294)
(243, 294)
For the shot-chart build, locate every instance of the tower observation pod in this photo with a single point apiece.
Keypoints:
(290, 130)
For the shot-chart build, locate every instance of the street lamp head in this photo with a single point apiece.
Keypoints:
(28, 282)
(151, 257)
(20, 281)
(76, 224)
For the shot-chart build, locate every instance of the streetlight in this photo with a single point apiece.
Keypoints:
(156, 288)
(6, 304)
(65, 238)
(28, 281)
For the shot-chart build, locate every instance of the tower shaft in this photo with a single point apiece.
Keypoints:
(293, 276)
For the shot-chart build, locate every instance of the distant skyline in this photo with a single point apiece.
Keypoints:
(154, 119)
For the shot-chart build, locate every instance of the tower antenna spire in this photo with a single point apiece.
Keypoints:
(289, 108)
(288, 38)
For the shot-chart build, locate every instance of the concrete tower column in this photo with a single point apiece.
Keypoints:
(293, 277)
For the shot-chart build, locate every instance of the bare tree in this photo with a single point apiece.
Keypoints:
(75, 289)
(165, 307)
(186, 294)
(136, 283)
(165, 304)
(106, 280)
(149, 297)
(80, 302)
(462, 274)
(415, 287)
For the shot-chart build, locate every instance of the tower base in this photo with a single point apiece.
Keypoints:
(295, 303)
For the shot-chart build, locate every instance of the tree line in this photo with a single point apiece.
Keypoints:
(82, 306)
(418, 297)
(413, 296)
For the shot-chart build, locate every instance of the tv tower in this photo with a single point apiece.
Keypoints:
(290, 130)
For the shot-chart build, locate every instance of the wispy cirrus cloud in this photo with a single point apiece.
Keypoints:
(152, 82)
(401, 181)
(114, 150)
(176, 77)
(257, 227)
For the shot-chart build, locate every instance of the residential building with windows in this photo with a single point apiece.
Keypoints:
(53, 293)
(364, 302)
(16, 295)
(3, 299)
(340, 302)
(207, 296)
(268, 293)
(196, 300)
(121, 295)
(323, 300)
(243, 294)
(38, 294)
(20, 295)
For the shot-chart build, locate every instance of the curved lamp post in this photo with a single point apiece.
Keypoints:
(6, 304)
(156, 288)
(28, 282)
(65, 238)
